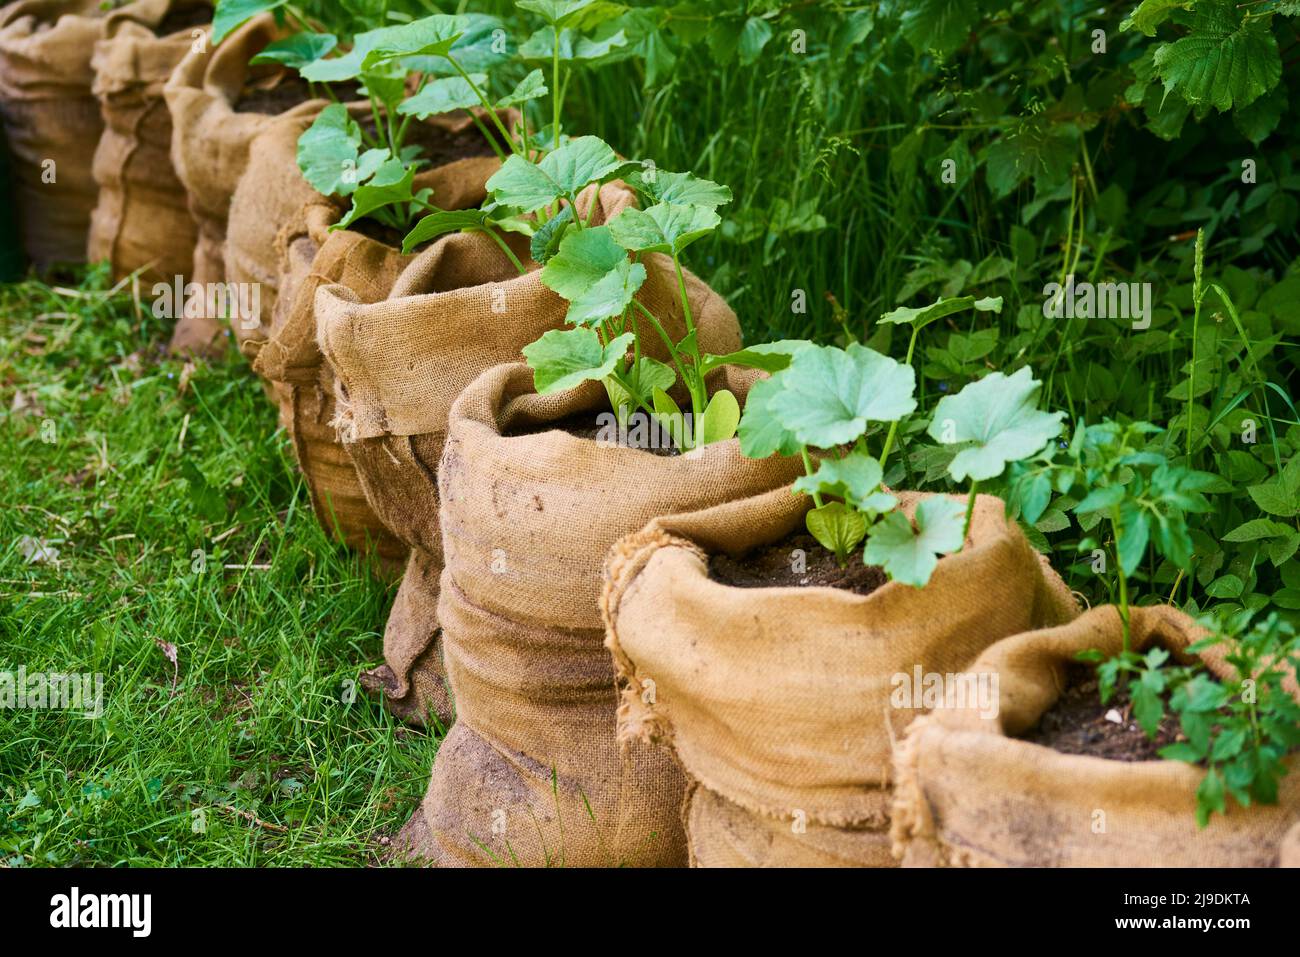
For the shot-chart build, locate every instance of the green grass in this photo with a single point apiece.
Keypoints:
(250, 726)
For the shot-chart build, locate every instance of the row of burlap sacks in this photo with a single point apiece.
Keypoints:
(608, 703)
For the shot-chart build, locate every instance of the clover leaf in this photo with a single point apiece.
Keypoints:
(999, 415)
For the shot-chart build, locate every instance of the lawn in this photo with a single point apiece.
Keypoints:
(175, 552)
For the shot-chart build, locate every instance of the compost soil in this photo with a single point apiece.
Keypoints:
(1078, 723)
(770, 567)
(439, 146)
(183, 19)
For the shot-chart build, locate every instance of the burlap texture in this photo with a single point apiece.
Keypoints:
(459, 308)
(50, 113)
(969, 794)
(142, 217)
(309, 256)
(210, 149)
(777, 700)
(1289, 855)
(531, 773)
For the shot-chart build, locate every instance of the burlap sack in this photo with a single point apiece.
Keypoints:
(309, 256)
(268, 236)
(531, 772)
(51, 117)
(1289, 855)
(777, 701)
(142, 217)
(460, 308)
(211, 135)
(969, 794)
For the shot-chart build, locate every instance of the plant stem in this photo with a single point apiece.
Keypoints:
(555, 87)
(504, 248)
(1123, 580)
(970, 510)
(808, 468)
(1198, 293)
(505, 134)
(893, 426)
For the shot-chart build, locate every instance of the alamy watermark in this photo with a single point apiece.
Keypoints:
(932, 690)
(52, 691)
(240, 302)
(638, 430)
(1104, 300)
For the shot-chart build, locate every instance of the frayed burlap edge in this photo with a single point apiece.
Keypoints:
(639, 721)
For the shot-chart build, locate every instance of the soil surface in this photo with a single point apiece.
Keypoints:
(1077, 723)
(438, 146)
(273, 95)
(772, 567)
(185, 18)
(584, 425)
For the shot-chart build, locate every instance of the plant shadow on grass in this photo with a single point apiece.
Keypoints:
(153, 511)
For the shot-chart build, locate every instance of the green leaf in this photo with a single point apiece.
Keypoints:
(663, 228)
(1182, 751)
(1273, 498)
(531, 87)
(442, 222)
(443, 95)
(837, 528)
(573, 46)
(230, 14)
(855, 479)
(830, 395)
(1151, 13)
(999, 415)
(720, 418)
(681, 189)
(761, 432)
(298, 50)
(392, 184)
(545, 242)
(922, 316)
(1226, 586)
(564, 358)
(563, 173)
(429, 36)
(939, 25)
(1147, 707)
(1226, 61)
(555, 12)
(1256, 529)
(767, 356)
(910, 555)
(754, 35)
(594, 274)
(328, 152)
(1209, 797)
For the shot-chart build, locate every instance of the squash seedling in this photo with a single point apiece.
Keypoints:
(827, 401)
(377, 170)
(598, 270)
